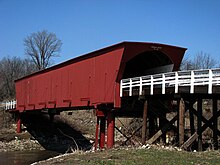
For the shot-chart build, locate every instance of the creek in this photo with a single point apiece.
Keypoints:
(25, 157)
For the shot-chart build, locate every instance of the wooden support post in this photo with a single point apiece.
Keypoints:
(181, 121)
(97, 133)
(215, 123)
(144, 127)
(102, 133)
(191, 118)
(152, 119)
(162, 122)
(199, 124)
(110, 129)
(19, 123)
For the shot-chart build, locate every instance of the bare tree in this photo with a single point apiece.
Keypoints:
(204, 61)
(42, 47)
(200, 61)
(186, 64)
(10, 70)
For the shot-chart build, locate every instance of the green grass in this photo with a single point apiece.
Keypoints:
(142, 156)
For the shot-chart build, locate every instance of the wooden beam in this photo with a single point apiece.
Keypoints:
(199, 124)
(102, 133)
(215, 123)
(121, 132)
(97, 133)
(181, 121)
(191, 118)
(161, 131)
(110, 129)
(190, 141)
(162, 121)
(19, 123)
(144, 127)
(152, 126)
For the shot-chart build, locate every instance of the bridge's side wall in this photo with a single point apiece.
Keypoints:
(82, 82)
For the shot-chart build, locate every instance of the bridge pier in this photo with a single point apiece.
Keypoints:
(18, 130)
(110, 129)
(215, 123)
(144, 126)
(100, 129)
(102, 118)
(102, 133)
(97, 134)
(181, 121)
(199, 124)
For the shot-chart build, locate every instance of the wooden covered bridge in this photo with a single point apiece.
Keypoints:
(129, 79)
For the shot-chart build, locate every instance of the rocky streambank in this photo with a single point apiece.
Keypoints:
(18, 142)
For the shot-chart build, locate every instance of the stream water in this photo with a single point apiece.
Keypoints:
(25, 157)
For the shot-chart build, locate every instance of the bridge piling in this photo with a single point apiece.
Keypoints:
(215, 123)
(102, 133)
(181, 121)
(144, 127)
(199, 124)
(18, 130)
(97, 134)
(110, 129)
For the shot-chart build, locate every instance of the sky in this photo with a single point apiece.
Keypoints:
(87, 25)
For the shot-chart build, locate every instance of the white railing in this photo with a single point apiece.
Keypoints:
(10, 105)
(208, 77)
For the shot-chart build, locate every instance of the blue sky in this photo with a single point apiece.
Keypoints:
(88, 25)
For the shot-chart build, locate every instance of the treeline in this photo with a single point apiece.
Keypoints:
(12, 68)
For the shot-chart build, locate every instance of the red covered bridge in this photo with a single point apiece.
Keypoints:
(92, 81)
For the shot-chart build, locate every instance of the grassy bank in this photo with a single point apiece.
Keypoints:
(139, 156)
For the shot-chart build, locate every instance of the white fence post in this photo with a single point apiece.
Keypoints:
(130, 88)
(151, 85)
(176, 82)
(10, 105)
(121, 88)
(210, 82)
(163, 84)
(192, 82)
(140, 89)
